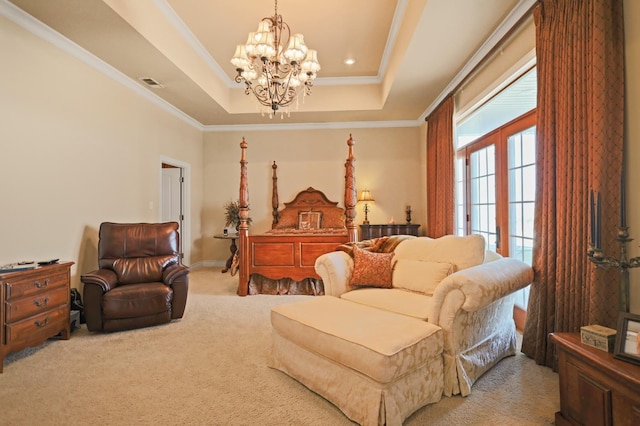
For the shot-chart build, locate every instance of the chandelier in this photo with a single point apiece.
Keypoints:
(275, 65)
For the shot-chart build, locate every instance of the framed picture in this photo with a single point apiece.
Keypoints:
(309, 220)
(627, 346)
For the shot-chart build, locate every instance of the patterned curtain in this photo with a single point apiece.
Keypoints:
(580, 56)
(440, 172)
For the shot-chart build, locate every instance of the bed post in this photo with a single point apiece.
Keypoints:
(274, 196)
(350, 196)
(243, 228)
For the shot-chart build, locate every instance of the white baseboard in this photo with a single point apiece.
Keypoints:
(208, 264)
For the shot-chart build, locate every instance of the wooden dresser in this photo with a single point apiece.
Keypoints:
(595, 387)
(368, 232)
(34, 306)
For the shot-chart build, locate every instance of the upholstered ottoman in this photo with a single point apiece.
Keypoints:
(376, 366)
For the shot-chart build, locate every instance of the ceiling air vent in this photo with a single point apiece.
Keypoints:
(151, 82)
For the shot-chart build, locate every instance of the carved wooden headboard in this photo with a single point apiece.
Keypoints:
(309, 210)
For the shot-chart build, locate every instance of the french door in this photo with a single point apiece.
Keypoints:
(495, 188)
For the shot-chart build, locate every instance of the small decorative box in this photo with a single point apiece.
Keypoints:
(599, 337)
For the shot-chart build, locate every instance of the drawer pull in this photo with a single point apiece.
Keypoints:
(41, 303)
(41, 323)
(41, 285)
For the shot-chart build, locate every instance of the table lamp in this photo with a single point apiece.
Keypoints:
(366, 197)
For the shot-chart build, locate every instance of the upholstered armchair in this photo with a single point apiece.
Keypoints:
(140, 281)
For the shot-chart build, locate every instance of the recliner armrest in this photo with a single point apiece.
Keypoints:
(173, 272)
(105, 278)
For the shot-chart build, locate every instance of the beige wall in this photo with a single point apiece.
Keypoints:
(388, 162)
(78, 149)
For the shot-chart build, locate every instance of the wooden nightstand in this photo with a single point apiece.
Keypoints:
(368, 232)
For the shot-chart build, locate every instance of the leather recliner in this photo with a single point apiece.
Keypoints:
(140, 281)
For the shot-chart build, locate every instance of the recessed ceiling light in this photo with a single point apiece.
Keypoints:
(349, 61)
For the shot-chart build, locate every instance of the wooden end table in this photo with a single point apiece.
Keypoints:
(233, 248)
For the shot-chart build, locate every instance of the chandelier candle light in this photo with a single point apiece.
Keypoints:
(275, 65)
(596, 254)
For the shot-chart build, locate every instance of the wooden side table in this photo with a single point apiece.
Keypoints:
(233, 248)
(595, 387)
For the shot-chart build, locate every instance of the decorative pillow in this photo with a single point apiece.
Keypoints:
(369, 245)
(419, 276)
(371, 269)
(462, 251)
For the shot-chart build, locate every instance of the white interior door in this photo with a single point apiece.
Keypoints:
(172, 197)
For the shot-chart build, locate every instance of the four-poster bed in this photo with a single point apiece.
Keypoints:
(307, 227)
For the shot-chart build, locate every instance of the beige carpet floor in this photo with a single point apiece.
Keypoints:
(210, 369)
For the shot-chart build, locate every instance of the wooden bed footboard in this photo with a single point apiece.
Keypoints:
(290, 256)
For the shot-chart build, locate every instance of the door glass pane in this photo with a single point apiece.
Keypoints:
(482, 190)
(529, 176)
(522, 188)
(529, 147)
(461, 223)
(527, 219)
(515, 185)
(483, 194)
(491, 194)
(491, 160)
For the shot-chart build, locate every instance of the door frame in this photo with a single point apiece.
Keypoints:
(185, 231)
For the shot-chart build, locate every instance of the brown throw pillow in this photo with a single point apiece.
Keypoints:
(371, 269)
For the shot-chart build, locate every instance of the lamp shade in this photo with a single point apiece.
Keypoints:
(310, 63)
(240, 59)
(297, 50)
(366, 196)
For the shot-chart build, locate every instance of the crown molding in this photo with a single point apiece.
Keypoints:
(512, 19)
(46, 33)
(392, 37)
(313, 126)
(346, 81)
(177, 22)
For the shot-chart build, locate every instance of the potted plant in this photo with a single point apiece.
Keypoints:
(232, 214)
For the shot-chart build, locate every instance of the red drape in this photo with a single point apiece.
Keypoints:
(440, 171)
(580, 61)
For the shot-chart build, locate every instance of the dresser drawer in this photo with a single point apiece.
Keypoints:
(36, 302)
(35, 283)
(47, 323)
(27, 306)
